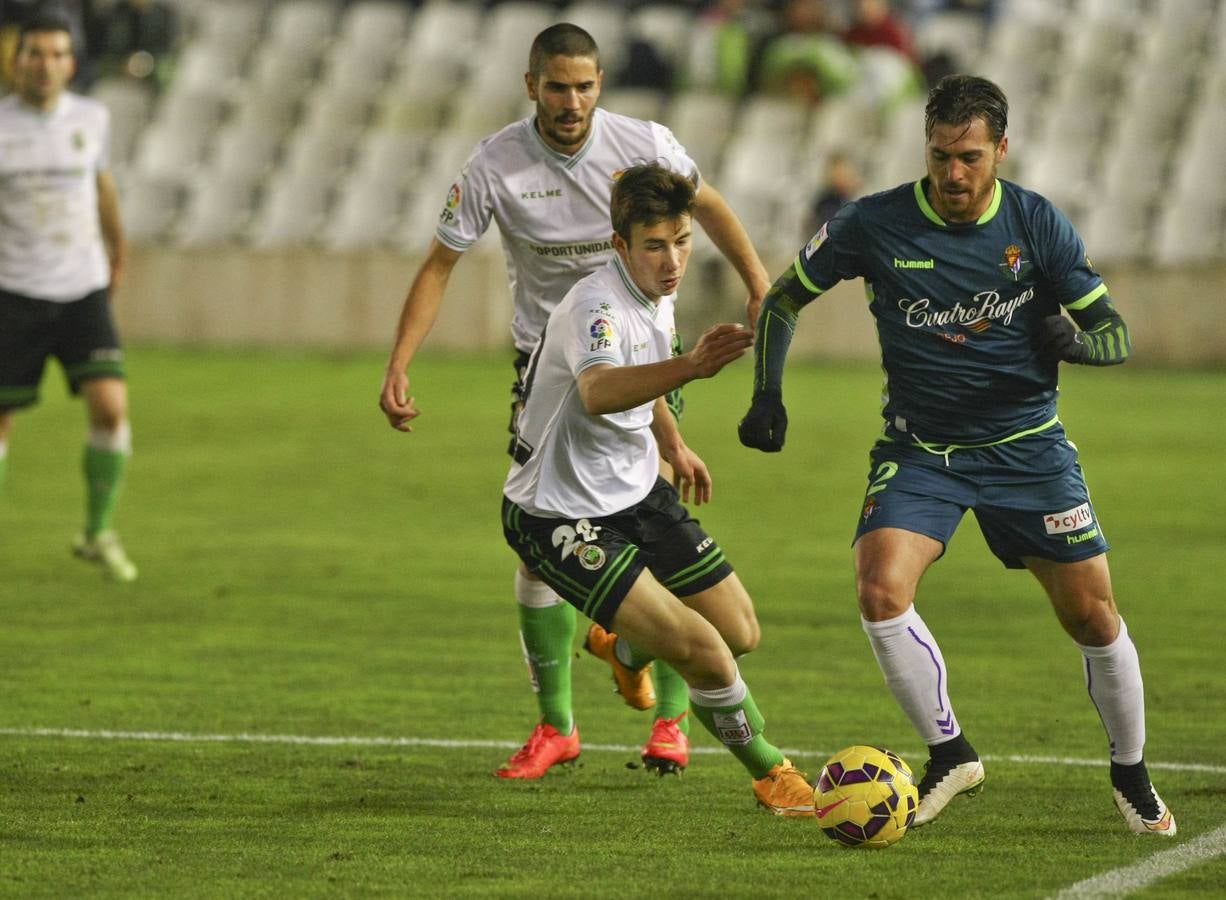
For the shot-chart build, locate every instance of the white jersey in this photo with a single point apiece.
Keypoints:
(552, 210)
(575, 464)
(51, 243)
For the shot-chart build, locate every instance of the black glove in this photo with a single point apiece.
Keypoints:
(1058, 339)
(765, 425)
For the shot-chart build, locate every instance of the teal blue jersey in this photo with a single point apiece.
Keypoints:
(958, 306)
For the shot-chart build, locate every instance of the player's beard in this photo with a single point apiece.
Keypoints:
(574, 139)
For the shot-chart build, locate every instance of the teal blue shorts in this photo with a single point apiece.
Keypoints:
(1028, 495)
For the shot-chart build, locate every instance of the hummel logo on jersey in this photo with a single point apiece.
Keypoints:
(541, 195)
(914, 263)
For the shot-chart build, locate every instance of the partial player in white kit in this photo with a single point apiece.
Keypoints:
(62, 249)
(584, 506)
(546, 181)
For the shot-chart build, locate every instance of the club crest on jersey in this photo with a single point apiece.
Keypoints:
(816, 241)
(590, 556)
(1014, 267)
(78, 141)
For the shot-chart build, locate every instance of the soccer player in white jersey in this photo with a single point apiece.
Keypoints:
(546, 181)
(62, 249)
(584, 505)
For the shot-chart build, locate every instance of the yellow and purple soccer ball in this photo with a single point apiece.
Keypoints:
(865, 797)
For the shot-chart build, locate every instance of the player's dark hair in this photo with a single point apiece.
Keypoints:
(563, 39)
(648, 194)
(957, 99)
(51, 19)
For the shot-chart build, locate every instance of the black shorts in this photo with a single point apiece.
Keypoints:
(81, 334)
(592, 563)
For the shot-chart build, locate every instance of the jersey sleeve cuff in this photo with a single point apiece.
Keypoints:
(1083, 302)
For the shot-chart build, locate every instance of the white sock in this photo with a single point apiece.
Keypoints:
(117, 441)
(1113, 678)
(915, 673)
(534, 594)
(726, 696)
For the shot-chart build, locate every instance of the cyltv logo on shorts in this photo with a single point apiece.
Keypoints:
(1069, 520)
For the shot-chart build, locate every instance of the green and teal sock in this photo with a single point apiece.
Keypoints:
(731, 715)
(672, 694)
(104, 471)
(547, 634)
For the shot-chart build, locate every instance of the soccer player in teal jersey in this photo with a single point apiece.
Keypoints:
(968, 279)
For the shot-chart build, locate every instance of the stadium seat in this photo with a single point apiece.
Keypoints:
(150, 204)
(374, 27)
(130, 103)
(391, 157)
(218, 210)
(641, 103)
(205, 68)
(293, 210)
(606, 23)
(701, 121)
(664, 26)
(302, 25)
(1189, 235)
(244, 154)
(1116, 229)
(958, 35)
(169, 150)
(364, 217)
(289, 72)
(233, 25)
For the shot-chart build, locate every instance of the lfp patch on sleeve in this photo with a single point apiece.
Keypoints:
(814, 242)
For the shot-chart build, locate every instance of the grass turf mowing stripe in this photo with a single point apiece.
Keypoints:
(1128, 879)
(183, 737)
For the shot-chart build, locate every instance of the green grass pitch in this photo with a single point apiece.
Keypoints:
(309, 574)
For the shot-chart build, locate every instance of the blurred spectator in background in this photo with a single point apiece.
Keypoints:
(136, 38)
(840, 184)
(807, 59)
(877, 24)
(727, 41)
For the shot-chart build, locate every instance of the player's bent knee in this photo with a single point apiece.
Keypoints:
(880, 599)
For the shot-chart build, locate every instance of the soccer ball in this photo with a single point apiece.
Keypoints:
(865, 797)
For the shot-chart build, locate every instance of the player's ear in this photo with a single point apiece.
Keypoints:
(620, 245)
(530, 83)
(1002, 149)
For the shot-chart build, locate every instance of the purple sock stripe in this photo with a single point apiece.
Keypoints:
(947, 724)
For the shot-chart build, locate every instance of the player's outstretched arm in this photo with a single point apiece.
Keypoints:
(608, 389)
(725, 230)
(417, 317)
(765, 425)
(1102, 340)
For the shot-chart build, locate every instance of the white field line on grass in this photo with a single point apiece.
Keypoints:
(182, 737)
(1114, 883)
(1129, 879)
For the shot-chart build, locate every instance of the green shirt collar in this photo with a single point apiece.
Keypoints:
(921, 197)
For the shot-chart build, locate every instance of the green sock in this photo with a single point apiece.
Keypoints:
(672, 694)
(738, 727)
(547, 634)
(103, 477)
